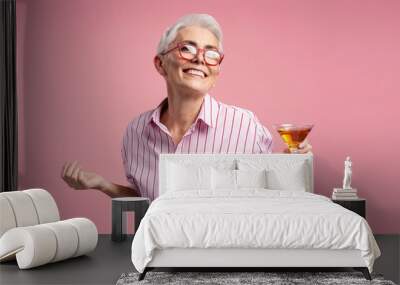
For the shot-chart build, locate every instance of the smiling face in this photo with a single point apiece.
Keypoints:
(189, 76)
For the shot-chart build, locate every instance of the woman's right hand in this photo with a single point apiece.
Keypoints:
(79, 179)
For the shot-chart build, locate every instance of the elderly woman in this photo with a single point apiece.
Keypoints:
(189, 120)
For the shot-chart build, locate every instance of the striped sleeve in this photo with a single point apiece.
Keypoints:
(124, 149)
(126, 154)
(264, 138)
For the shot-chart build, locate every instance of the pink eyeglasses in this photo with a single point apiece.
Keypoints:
(189, 51)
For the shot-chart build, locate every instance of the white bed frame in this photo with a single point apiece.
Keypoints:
(246, 258)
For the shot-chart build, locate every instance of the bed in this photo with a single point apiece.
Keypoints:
(245, 211)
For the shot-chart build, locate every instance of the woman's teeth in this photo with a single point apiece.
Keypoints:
(195, 72)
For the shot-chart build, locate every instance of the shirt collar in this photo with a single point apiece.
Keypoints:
(155, 115)
(207, 112)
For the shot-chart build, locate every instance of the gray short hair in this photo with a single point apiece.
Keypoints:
(202, 20)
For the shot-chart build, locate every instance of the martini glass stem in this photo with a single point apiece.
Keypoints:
(294, 150)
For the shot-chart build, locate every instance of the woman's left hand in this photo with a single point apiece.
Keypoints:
(304, 147)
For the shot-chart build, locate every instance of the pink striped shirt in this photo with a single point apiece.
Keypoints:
(219, 128)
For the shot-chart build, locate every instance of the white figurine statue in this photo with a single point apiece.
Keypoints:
(347, 174)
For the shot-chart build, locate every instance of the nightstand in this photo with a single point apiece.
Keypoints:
(121, 205)
(358, 206)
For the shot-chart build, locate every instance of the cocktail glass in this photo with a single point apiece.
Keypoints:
(293, 134)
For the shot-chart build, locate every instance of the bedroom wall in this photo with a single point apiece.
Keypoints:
(85, 70)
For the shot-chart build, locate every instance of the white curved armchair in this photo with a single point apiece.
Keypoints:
(31, 230)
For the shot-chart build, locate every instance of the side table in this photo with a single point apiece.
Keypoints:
(358, 206)
(138, 205)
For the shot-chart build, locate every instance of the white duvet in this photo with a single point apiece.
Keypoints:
(250, 218)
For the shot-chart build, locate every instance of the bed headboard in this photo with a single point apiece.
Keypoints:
(283, 163)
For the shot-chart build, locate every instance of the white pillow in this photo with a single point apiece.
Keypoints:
(281, 174)
(251, 178)
(291, 179)
(223, 179)
(181, 177)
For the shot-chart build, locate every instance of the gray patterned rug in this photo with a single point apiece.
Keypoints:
(243, 278)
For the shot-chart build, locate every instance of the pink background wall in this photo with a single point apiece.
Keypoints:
(85, 70)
